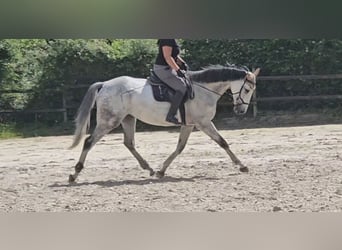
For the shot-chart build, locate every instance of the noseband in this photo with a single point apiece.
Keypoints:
(242, 87)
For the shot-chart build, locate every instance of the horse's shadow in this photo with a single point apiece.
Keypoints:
(112, 183)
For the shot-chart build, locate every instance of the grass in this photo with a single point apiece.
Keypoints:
(8, 131)
(19, 130)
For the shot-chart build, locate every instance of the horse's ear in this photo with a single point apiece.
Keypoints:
(256, 72)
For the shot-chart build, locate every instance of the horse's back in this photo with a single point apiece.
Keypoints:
(125, 82)
(123, 90)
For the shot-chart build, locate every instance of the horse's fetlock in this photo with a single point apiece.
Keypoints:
(130, 146)
(87, 143)
(79, 166)
(160, 174)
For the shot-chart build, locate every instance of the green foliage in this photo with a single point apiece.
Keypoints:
(274, 57)
(8, 131)
(20, 69)
(73, 62)
(137, 57)
(42, 69)
(4, 57)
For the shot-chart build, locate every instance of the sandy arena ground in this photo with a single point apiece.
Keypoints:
(291, 169)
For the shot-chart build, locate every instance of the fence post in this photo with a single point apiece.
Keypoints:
(65, 114)
(255, 108)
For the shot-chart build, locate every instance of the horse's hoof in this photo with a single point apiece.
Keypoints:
(152, 172)
(244, 169)
(71, 179)
(160, 174)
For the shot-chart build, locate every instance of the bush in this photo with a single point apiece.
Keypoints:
(274, 57)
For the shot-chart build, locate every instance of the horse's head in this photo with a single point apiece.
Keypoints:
(243, 90)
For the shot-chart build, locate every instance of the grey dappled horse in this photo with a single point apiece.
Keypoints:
(124, 99)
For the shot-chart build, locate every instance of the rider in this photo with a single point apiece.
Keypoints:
(170, 68)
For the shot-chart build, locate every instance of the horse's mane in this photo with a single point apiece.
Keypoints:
(218, 73)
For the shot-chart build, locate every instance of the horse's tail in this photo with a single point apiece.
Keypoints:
(83, 114)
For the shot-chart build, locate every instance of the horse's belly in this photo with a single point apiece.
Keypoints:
(144, 107)
(151, 112)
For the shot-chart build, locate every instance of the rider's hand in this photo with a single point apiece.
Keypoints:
(184, 66)
(181, 73)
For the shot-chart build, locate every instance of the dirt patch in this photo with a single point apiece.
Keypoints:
(291, 169)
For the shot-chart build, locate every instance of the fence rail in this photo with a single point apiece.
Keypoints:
(298, 98)
(300, 77)
(294, 98)
(255, 101)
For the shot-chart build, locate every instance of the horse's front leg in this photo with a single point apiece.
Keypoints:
(183, 138)
(210, 129)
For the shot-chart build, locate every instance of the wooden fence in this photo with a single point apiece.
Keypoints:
(257, 99)
(65, 107)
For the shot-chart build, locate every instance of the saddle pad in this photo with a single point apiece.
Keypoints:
(161, 92)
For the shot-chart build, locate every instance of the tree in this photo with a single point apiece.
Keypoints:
(20, 69)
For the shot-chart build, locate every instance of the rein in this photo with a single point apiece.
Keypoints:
(209, 90)
(240, 91)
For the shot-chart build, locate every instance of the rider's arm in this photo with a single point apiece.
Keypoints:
(167, 50)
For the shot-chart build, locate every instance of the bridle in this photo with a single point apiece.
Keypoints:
(240, 91)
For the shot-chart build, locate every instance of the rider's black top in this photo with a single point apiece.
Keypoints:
(167, 42)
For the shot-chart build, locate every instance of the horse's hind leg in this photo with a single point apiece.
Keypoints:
(183, 138)
(90, 141)
(128, 125)
(212, 132)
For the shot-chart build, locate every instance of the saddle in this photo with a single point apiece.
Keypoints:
(163, 93)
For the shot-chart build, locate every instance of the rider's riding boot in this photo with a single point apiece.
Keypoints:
(176, 100)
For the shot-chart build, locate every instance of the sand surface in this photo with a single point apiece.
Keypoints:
(291, 169)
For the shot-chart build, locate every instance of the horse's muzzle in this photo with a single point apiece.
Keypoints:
(239, 110)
